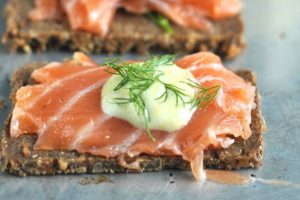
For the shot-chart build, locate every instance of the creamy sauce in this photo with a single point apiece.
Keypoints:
(165, 115)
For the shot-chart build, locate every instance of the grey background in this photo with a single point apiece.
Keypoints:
(273, 52)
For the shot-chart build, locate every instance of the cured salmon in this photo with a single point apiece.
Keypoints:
(95, 16)
(64, 110)
(45, 10)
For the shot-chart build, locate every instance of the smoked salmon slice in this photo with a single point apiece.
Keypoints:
(64, 110)
(95, 16)
(45, 10)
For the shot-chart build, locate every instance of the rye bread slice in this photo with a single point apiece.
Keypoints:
(128, 32)
(18, 157)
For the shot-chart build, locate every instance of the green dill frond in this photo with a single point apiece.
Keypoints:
(205, 96)
(178, 92)
(161, 21)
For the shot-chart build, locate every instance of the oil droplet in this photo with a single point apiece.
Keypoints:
(227, 177)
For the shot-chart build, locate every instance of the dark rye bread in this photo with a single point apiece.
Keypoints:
(18, 157)
(128, 33)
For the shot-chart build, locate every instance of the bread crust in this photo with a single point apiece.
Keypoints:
(128, 32)
(18, 157)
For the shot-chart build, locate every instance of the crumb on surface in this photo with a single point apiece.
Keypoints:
(95, 180)
(282, 35)
(2, 103)
(7, 77)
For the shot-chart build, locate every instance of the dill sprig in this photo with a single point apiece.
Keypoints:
(161, 21)
(204, 95)
(139, 76)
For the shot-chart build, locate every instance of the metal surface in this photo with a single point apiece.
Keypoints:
(273, 52)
